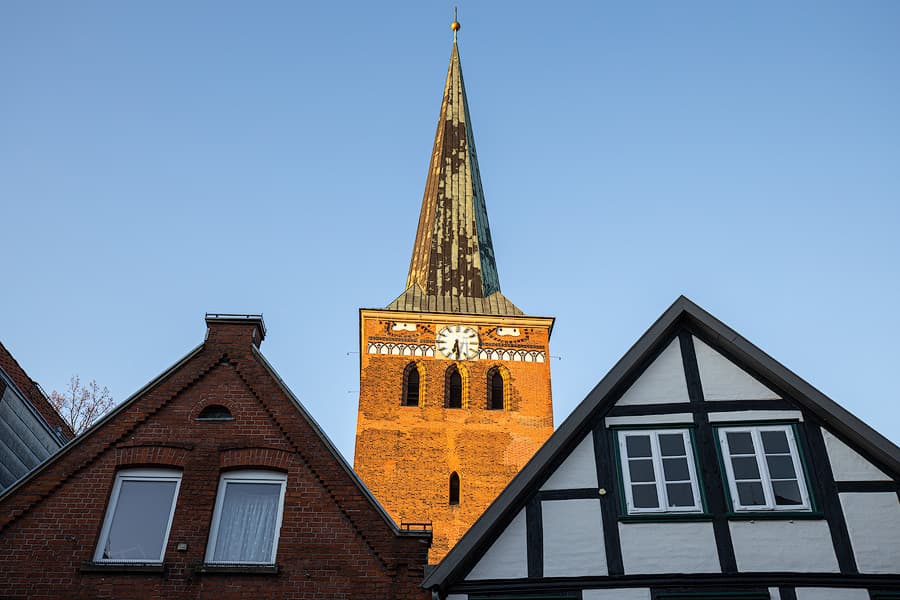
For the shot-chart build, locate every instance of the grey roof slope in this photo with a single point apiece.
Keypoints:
(461, 557)
(414, 299)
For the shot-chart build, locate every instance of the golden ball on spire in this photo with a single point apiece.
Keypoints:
(455, 25)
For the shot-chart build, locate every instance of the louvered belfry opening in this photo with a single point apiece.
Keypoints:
(454, 388)
(411, 385)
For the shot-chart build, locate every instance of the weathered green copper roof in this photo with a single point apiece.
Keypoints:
(453, 255)
(414, 299)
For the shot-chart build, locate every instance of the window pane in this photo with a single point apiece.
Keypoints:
(781, 467)
(740, 442)
(641, 470)
(637, 445)
(644, 496)
(671, 444)
(745, 467)
(750, 493)
(138, 527)
(775, 442)
(247, 522)
(680, 494)
(676, 469)
(787, 493)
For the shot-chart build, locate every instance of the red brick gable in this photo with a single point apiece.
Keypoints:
(335, 540)
(29, 389)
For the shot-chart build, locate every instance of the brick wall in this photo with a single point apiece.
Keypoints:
(333, 543)
(405, 454)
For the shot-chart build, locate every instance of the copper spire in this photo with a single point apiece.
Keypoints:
(453, 255)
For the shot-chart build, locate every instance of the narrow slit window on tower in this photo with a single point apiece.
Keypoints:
(454, 388)
(454, 489)
(411, 385)
(495, 390)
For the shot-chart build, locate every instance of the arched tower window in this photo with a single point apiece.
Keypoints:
(499, 395)
(412, 385)
(454, 489)
(496, 387)
(454, 388)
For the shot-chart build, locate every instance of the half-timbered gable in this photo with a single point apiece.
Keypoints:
(699, 467)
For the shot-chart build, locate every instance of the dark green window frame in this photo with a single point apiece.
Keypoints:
(702, 515)
(813, 512)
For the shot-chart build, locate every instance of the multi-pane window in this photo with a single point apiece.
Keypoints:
(763, 468)
(247, 518)
(139, 516)
(658, 471)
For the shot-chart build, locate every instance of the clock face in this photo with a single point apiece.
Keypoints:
(458, 342)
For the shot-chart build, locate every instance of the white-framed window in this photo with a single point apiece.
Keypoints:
(658, 471)
(139, 516)
(763, 468)
(247, 517)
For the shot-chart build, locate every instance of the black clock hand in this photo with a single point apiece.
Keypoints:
(456, 348)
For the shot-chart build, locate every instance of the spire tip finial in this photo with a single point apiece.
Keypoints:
(455, 24)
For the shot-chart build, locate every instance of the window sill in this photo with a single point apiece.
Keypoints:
(234, 568)
(665, 517)
(121, 567)
(775, 515)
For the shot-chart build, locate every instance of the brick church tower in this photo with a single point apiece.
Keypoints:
(454, 394)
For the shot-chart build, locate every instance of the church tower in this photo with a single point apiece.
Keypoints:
(454, 394)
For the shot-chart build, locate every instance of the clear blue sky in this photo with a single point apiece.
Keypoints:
(163, 159)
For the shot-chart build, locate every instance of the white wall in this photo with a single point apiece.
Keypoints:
(831, 594)
(617, 594)
(873, 520)
(507, 557)
(847, 464)
(573, 538)
(579, 470)
(723, 380)
(662, 382)
(801, 546)
(668, 548)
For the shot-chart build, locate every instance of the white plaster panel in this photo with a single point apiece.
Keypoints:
(507, 557)
(579, 470)
(617, 594)
(573, 538)
(773, 546)
(666, 419)
(873, 520)
(668, 548)
(755, 415)
(724, 380)
(457, 597)
(774, 594)
(662, 382)
(831, 594)
(847, 464)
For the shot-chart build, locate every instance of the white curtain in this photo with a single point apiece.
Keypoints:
(247, 522)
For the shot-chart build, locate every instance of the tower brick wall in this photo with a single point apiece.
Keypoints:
(406, 454)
